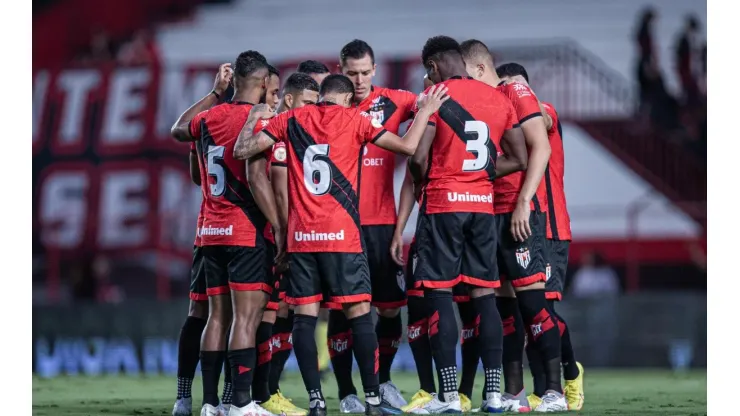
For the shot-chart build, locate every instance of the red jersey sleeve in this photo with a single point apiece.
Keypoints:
(195, 125)
(277, 127)
(370, 128)
(406, 101)
(278, 155)
(511, 117)
(524, 101)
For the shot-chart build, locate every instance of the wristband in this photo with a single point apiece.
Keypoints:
(216, 94)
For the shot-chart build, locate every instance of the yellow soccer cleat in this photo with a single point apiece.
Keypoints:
(573, 390)
(534, 400)
(465, 404)
(322, 328)
(417, 401)
(281, 405)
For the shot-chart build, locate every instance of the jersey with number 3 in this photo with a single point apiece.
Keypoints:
(324, 145)
(462, 160)
(230, 216)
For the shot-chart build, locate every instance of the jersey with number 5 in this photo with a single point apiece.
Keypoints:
(230, 215)
(462, 160)
(324, 145)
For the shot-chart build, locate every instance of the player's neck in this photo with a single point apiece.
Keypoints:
(491, 79)
(282, 107)
(357, 99)
(247, 95)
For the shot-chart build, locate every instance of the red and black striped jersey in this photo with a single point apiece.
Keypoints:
(558, 220)
(324, 145)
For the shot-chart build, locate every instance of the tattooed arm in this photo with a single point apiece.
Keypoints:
(258, 112)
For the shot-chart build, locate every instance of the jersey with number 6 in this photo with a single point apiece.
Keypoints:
(462, 159)
(324, 145)
(230, 215)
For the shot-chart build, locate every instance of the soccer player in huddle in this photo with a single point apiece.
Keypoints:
(314, 69)
(234, 248)
(520, 204)
(455, 164)
(325, 245)
(390, 108)
(557, 246)
(299, 90)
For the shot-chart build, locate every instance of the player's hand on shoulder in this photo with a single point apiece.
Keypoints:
(223, 78)
(431, 101)
(397, 249)
(261, 111)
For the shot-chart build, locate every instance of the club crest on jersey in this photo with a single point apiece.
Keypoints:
(280, 154)
(401, 280)
(376, 110)
(523, 257)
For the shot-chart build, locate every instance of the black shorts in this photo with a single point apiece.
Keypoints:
(273, 278)
(198, 276)
(386, 277)
(557, 265)
(456, 247)
(333, 278)
(522, 263)
(236, 268)
(459, 292)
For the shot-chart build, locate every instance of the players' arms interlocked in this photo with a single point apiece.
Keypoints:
(259, 185)
(406, 205)
(194, 168)
(514, 158)
(181, 129)
(535, 134)
(279, 180)
(258, 112)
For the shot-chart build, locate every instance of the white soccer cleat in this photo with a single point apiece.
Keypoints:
(252, 409)
(436, 406)
(552, 401)
(208, 410)
(516, 404)
(351, 404)
(224, 408)
(492, 404)
(390, 393)
(183, 407)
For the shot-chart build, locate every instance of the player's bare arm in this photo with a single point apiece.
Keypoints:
(194, 168)
(181, 129)
(279, 181)
(535, 135)
(515, 157)
(259, 185)
(545, 116)
(257, 113)
(406, 205)
(428, 105)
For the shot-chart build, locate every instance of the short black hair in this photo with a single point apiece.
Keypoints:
(249, 62)
(273, 70)
(299, 81)
(438, 46)
(357, 49)
(312, 67)
(336, 83)
(512, 69)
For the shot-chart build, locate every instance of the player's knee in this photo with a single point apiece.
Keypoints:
(479, 292)
(283, 309)
(311, 309)
(534, 286)
(505, 290)
(269, 316)
(388, 312)
(198, 309)
(353, 310)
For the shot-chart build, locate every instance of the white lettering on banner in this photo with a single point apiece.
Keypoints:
(177, 90)
(63, 209)
(468, 197)
(40, 89)
(216, 230)
(179, 202)
(125, 101)
(77, 86)
(314, 236)
(123, 208)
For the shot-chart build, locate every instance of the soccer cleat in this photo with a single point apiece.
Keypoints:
(492, 404)
(552, 401)
(183, 407)
(389, 392)
(573, 390)
(208, 410)
(384, 408)
(351, 404)
(465, 404)
(418, 400)
(436, 406)
(225, 408)
(515, 404)
(534, 400)
(281, 405)
(252, 409)
(317, 408)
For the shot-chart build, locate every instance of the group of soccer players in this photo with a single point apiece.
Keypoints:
(287, 228)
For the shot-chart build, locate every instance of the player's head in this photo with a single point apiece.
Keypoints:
(427, 82)
(300, 90)
(442, 58)
(513, 72)
(478, 59)
(315, 69)
(251, 72)
(357, 62)
(272, 92)
(337, 89)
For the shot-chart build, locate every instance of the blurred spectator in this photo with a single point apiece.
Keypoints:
(688, 55)
(141, 50)
(595, 279)
(100, 49)
(106, 291)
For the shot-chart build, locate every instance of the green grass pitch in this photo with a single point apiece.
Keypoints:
(623, 392)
